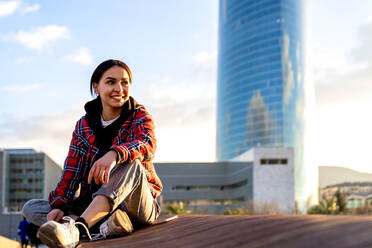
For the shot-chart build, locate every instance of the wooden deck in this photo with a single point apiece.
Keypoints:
(250, 231)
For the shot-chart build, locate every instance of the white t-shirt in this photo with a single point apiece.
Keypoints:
(107, 123)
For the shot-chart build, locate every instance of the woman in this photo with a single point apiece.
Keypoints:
(109, 183)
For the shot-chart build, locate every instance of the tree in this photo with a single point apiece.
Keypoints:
(325, 206)
(177, 208)
(340, 201)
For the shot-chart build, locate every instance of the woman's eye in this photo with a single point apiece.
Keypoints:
(110, 82)
(125, 83)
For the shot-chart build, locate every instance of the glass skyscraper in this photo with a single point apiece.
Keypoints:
(261, 79)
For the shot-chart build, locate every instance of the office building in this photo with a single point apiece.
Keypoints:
(359, 203)
(263, 183)
(355, 186)
(26, 174)
(261, 83)
(346, 189)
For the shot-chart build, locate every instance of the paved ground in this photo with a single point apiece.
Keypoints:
(250, 231)
(8, 243)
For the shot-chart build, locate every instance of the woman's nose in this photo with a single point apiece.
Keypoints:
(118, 87)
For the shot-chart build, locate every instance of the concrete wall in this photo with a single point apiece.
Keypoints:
(273, 184)
(52, 175)
(9, 224)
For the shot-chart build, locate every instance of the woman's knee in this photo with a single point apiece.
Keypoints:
(35, 206)
(133, 168)
(28, 207)
(146, 217)
(138, 168)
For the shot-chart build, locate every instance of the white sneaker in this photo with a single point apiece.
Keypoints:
(118, 224)
(58, 235)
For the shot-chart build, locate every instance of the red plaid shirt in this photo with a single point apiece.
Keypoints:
(135, 140)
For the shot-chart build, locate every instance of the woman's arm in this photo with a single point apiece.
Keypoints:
(72, 172)
(100, 170)
(143, 144)
(142, 147)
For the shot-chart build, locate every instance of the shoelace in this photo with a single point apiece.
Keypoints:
(93, 237)
(86, 229)
(97, 236)
(103, 231)
(69, 220)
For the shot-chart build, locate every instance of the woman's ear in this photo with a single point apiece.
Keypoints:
(95, 86)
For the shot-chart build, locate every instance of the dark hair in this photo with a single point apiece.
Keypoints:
(104, 66)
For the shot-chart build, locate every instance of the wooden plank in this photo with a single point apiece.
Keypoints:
(249, 231)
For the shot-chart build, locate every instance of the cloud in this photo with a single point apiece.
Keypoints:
(185, 122)
(30, 9)
(82, 56)
(185, 112)
(193, 144)
(206, 59)
(39, 37)
(185, 117)
(186, 103)
(181, 104)
(343, 100)
(352, 81)
(175, 92)
(22, 60)
(8, 8)
(48, 133)
(349, 122)
(18, 88)
(363, 52)
(368, 19)
(352, 87)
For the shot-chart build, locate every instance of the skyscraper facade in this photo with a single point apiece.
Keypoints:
(261, 92)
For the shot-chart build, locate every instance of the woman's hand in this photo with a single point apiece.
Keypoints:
(55, 214)
(102, 167)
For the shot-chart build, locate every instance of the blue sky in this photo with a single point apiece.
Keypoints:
(50, 48)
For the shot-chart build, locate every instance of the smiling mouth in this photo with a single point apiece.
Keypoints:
(118, 97)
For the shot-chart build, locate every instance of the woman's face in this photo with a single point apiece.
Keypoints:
(114, 88)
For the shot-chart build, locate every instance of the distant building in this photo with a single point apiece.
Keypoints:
(360, 202)
(26, 174)
(355, 186)
(261, 93)
(261, 177)
(358, 195)
(346, 189)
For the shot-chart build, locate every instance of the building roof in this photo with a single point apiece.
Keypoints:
(20, 150)
(250, 231)
(349, 184)
(360, 196)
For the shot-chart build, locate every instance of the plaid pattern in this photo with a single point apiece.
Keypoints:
(135, 140)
